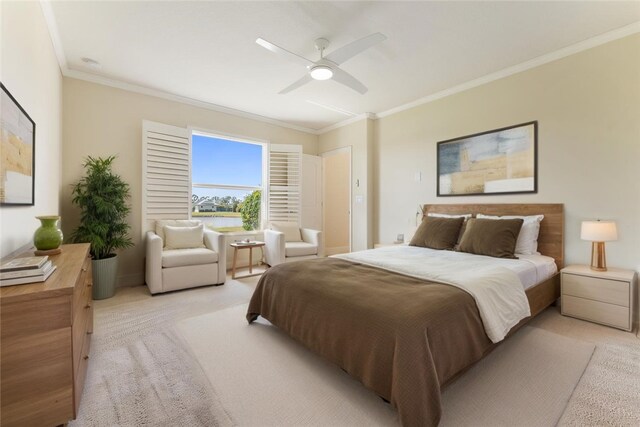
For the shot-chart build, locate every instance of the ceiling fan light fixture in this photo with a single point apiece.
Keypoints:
(321, 72)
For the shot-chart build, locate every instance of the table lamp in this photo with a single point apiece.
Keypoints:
(598, 232)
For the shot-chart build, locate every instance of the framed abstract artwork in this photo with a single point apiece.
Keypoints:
(17, 152)
(499, 161)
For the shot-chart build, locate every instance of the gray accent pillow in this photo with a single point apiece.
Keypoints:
(491, 237)
(437, 233)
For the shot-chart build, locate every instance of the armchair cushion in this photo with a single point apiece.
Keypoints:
(160, 224)
(184, 237)
(183, 257)
(291, 230)
(294, 249)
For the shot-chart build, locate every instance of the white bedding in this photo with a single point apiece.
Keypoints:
(496, 284)
(531, 269)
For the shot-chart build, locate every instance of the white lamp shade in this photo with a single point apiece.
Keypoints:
(599, 231)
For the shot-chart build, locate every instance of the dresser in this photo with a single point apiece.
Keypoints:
(45, 333)
(605, 297)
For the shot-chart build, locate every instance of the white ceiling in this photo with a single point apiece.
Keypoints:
(206, 51)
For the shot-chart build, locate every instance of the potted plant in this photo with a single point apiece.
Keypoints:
(102, 197)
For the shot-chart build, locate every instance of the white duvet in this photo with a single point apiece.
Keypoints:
(497, 290)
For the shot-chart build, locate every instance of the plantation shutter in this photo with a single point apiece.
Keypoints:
(166, 173)
(284, 183)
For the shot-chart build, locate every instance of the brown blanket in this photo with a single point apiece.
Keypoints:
(401, 337)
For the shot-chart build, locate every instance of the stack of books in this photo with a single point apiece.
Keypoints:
(26, 270)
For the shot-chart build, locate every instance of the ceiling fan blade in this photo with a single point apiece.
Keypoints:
(352, 49)
(348, 80)
(284, 52)
(302, 81)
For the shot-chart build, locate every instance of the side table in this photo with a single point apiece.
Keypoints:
(244, 245)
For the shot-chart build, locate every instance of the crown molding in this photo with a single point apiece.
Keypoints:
(506, 72)
(54, 34)
(363, 116)
(527, 65)
(56, 41)
(131, 87)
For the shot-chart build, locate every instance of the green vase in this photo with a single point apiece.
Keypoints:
(48, 236)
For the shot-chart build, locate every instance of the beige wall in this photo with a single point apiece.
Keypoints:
(101, 121)
(359, 137)
(336, 184)
(29, 70)
(588, 111)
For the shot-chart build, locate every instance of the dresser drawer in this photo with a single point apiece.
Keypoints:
(599, 289)
(81, 374)
(81, 327)
(82, 282)
(596, 311)
(35, 316)
(36, 386)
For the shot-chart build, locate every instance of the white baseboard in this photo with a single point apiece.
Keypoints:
(336, 250)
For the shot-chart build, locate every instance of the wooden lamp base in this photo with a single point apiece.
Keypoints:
(598, 257)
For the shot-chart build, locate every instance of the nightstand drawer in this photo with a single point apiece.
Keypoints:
(599, 289)
(601, 312)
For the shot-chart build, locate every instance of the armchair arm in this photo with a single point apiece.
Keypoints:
(314, 237)
(215, 241)
(274, 251)
(153, 267)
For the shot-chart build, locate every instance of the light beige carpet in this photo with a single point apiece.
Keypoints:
(609, 392)
(262, 377)
(140, 372)
(527, 381)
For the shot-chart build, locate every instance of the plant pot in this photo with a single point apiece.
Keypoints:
(105, 273)
(48, 236)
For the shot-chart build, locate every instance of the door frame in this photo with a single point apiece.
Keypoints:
(330, 153)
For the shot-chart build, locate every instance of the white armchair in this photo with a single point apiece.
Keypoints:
(170, 269)
(286, 242)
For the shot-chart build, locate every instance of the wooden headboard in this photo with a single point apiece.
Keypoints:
(551, 237)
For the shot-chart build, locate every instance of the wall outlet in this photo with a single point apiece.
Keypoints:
(400, 238)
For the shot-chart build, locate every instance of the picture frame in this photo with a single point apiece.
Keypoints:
(498, 161)
(18, 153)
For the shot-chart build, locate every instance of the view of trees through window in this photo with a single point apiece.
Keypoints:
(226, 187)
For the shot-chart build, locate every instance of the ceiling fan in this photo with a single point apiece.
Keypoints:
(327, 67)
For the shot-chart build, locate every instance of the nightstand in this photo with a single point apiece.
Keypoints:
(604, 297)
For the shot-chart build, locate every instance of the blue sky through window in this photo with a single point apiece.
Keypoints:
(219, 161)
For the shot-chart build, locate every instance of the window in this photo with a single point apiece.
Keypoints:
(217, 179)
(227, 182)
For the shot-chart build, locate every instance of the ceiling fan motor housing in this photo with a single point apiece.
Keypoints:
(322, 44)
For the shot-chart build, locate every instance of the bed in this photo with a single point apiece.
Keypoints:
(406, 324)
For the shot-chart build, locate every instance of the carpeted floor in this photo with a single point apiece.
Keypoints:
(142, 372)
(265, 378)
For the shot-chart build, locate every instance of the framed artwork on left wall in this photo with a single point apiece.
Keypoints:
(17, 152)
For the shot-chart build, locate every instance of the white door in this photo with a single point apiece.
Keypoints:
(311, 192)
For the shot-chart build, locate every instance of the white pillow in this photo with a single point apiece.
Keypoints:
(291, 230)
(184, 237)
(161, 223)
(527, 243)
